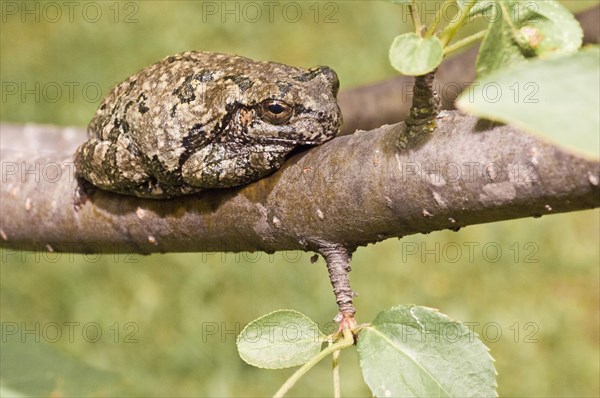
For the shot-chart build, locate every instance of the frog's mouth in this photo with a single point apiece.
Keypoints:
(290, 142)
(299, 149)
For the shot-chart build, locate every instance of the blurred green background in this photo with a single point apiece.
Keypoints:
(168, 322)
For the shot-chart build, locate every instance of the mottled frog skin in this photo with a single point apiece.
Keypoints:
(197, 121)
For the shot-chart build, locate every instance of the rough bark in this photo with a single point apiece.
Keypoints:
(338, 266)
(349, 192)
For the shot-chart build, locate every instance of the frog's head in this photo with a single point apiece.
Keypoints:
(294, 106)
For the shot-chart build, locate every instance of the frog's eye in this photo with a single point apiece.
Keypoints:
(275, 111)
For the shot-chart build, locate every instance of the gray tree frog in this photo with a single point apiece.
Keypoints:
(198, 120)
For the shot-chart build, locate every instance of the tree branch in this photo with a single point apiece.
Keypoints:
(351, 191)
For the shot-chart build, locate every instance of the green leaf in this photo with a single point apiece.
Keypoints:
(560, 33)
(413, 55)
(556, 98)
(278, 340)
(523, 29)
(412, 351)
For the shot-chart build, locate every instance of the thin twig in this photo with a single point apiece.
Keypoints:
(337, 258)
(464, 42)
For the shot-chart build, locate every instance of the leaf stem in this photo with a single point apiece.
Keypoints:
(412, 8)
(336, 374)
(345, 342)
(454, 26)
(437, 19)
(464, 42)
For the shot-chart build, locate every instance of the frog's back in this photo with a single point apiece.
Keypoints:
(148, 94)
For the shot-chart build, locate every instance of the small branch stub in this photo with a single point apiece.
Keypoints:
(426, 105)
(338, 265)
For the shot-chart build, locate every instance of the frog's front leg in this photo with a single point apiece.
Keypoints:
(112, 165)
(223, 165)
